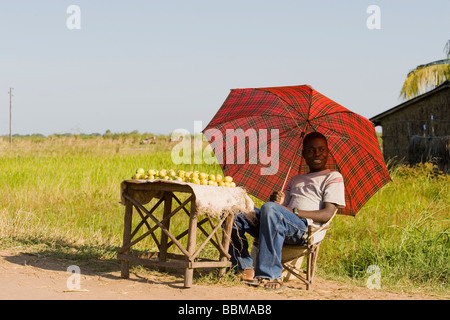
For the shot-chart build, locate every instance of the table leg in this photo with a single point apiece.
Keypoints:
(125, 265)
(164, 238)
(226, 239)
(192, 241)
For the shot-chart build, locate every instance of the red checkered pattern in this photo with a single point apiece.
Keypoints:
(354, 149)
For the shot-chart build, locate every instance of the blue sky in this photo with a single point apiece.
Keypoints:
(157, 66)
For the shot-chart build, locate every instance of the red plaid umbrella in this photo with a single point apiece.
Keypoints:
(283, 116)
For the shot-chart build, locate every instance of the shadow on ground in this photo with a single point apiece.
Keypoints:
(92, 260)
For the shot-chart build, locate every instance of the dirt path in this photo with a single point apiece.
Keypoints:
(28, 276)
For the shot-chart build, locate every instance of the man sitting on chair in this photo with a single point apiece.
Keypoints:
(308, 198)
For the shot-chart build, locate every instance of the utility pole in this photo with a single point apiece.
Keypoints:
(10, 115)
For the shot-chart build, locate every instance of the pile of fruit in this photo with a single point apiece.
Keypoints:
(180, 175)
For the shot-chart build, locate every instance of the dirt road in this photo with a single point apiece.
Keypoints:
(29, 276)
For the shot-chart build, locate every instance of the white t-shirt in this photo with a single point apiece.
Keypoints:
(310, 191)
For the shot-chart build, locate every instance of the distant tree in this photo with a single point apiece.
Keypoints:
(427, 76)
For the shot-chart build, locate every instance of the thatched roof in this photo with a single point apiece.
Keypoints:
(377, 119)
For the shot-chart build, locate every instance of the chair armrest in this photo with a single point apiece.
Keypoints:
(312, 230)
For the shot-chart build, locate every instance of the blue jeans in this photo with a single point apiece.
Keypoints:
(274, 226)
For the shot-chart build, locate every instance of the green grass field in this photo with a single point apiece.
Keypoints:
(59, 195)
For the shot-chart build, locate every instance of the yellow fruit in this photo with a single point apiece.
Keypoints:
(195, 180)
(196, 177)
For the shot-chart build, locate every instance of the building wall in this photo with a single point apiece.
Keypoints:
(427, 117)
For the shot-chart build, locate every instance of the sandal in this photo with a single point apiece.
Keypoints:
(275, 284)
(253, 282)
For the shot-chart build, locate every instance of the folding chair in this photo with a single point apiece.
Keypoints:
(292, 255)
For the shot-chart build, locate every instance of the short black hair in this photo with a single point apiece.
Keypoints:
(313, 135)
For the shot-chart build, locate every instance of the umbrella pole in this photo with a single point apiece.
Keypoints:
(302, 135)
(292, 161)
(287, 175)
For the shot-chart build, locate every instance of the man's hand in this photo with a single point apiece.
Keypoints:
(277, 197)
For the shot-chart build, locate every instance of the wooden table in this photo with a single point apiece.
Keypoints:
(136, 193)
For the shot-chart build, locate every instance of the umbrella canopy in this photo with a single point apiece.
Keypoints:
(257, 137)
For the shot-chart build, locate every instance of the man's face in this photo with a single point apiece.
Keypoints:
(315, 153)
